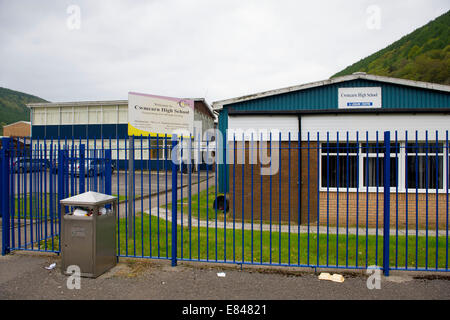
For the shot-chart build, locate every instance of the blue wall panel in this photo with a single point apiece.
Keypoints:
(66, 131)
(79, 131)
(325, 97)
(94, 131)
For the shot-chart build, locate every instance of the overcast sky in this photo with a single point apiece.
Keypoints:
(100, 50)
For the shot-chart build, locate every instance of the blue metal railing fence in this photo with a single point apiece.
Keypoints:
(319, 200)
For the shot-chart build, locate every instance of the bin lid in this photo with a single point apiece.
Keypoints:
(90, 198)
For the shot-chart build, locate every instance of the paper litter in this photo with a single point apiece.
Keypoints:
(50, 267)
(335, 277)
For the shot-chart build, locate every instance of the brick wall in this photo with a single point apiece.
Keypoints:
(19, 129)
(241, 194)
(273, 190)
(399, 207)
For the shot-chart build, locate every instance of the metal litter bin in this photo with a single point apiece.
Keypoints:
(89, 240)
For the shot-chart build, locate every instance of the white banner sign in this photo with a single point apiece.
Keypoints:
(359, 97)
(152, 115)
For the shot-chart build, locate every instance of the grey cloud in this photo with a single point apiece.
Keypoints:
(220, 49)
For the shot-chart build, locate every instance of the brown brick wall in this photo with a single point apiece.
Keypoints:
(370, 202)
(242, 192)
(19, 129)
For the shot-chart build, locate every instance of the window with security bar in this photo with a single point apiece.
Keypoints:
(373, 164)
(339, 165)
(416, 166)
(425, 165)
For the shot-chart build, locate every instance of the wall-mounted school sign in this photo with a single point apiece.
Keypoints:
(151, 115)
(359, 97)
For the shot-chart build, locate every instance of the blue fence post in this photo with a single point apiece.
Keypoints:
(387, 201)
(108, 171)
(174, 201)
(4, 180)
(82, 168)
(61, 160)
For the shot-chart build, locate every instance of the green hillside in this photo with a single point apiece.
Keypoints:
(422, 55)
(13, 108)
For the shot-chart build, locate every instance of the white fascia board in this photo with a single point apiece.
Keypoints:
(218, 105)
(78, 104)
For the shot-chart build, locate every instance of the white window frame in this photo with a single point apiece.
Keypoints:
(335, 189)
(401, 175)
(423, 154)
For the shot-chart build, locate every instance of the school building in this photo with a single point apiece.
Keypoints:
(331, 151)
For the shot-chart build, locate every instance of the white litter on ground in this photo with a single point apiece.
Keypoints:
(221, 274)
(335, 277)
(50, 267)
